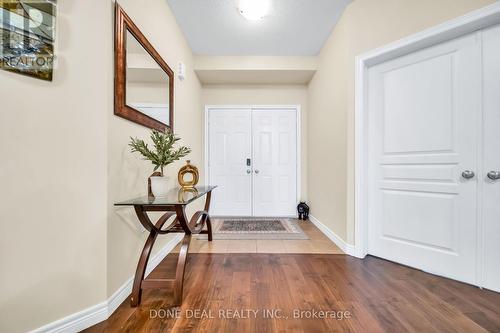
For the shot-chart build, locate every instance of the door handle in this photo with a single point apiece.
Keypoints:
(249, 171)
(257, 171)
(494, 175)
(468, 174)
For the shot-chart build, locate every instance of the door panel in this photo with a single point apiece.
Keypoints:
(491, 147)
(275, 162)
(423, 118)
(411, 100)
(229, 147)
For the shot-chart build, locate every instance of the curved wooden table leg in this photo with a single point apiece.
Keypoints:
(180, 270)
(135, 299)
(209, 229)
(193, 226)
(207, 209)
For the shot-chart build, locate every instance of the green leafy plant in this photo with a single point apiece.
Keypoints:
(164, 152)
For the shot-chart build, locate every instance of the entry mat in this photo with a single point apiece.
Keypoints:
(255, 228)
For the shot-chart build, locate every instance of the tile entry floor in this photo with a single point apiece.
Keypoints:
(317, 243)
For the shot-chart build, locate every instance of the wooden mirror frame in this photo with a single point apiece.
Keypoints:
(124, 23)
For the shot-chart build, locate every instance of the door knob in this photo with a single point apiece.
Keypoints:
(257, 171)
(494, 175)
(249, 171)
(468, 174)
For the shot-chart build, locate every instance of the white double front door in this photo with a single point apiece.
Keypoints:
(252, 157)
(434, 141)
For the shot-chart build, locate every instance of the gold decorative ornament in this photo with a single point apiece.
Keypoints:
(186, 170)
(186, 193)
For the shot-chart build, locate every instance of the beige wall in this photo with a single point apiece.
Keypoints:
(365, 25)
(127, 172)
(264, 95)
(65, 161)
(53, 176)
(255, 70)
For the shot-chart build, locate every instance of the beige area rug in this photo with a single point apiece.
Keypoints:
(255, 228)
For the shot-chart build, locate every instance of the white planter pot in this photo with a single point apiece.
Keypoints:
(159, 186)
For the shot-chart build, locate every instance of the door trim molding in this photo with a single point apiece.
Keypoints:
(463, 25)
(296, 107)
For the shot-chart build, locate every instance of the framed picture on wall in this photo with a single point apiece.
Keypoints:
(27, 37)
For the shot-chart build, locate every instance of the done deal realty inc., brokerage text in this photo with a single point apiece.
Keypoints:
(177, 313)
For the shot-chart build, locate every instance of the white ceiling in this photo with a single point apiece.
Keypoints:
(293, 27)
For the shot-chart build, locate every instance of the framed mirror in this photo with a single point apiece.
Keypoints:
(144, 83)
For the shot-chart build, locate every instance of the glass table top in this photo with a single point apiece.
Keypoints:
(176, 196)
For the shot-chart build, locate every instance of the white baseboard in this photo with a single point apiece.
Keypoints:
(95, 314)
(77, 322)
(347, 248)
(119, 296)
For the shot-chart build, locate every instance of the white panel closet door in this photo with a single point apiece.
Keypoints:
(274, 162)
(423, 120)
(229, 147)
(491, 151)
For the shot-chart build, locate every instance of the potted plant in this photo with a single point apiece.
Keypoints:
(163, 154)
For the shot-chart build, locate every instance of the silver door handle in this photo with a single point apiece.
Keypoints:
(257, 171)
(249, 171)
(468, 174)
(494, 175)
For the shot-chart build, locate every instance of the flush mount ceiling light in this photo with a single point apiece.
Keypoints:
(254, 10)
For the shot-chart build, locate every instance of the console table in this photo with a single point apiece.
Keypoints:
(173, 204)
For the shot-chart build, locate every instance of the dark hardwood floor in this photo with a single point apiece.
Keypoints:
(370, 295)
